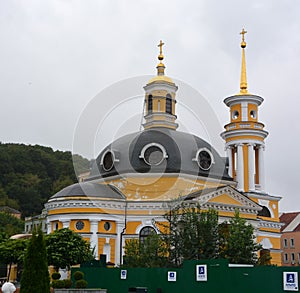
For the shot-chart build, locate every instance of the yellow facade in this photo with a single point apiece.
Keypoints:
(140, 197)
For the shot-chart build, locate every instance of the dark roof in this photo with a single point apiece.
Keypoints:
(287, 218)
(180, 147)
(89, 189)
(9, 210)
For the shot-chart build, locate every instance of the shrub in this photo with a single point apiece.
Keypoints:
(58, 284)
(68, 283)
(81, 283)
(78, 275)
(55, 276)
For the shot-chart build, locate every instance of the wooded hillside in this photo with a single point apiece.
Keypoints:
(29, 175)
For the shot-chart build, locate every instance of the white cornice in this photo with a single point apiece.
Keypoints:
(269, 224)
(244, 132)
(183, 176)
(264, 196)
(237, 99)
(158, 86)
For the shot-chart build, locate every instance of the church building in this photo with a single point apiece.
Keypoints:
(137, 178)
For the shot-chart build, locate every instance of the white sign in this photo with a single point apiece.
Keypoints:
(290, 281)
(201, 272)
(123, 274)
(172, 276)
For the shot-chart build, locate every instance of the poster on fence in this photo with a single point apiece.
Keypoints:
(201, 272)
(290, 281)
(123, 274)
(172, 276)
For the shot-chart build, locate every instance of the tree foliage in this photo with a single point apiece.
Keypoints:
(10, 225)
(150, 253)
(35, 276)
(66, 248)
(238, 241)
(29, 175)
(194, 234)
(12, 250)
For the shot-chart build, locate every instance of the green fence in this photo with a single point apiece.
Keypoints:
(220, 278)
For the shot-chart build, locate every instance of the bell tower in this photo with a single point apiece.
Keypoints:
(245, 136)
(160, 93)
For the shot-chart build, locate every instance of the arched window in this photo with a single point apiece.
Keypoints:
(150, 103)
(145, 232)
(264, 212)
(169, 104)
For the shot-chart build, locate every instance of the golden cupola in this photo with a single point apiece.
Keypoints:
(160, 102)
(244, 136)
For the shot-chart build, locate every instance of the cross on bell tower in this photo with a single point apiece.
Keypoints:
(160, 97)
(244, 136)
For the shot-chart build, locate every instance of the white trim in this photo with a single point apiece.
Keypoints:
(161, 175)
(244, 106)
(196, 158)
(293, 224)
(237, 99)
(245, 132)
(233, 265)
(240, 167)
(114, 159)
(153, 144)
(150, 88)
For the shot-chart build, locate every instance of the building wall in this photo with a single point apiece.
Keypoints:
(290, 244)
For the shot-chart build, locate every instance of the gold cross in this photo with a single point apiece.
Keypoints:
(160, 46)
(243, 32)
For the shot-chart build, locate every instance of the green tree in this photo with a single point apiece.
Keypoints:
(66, 248)
(12, 250)
(238, 241)
(150, 253)
(10, 225)
(192, 233)
(35, 276)
(29, 175)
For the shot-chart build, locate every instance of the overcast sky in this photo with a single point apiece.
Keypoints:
(57, 57)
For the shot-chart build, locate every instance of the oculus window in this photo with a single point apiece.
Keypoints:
(204, 159)
(108, 159)
(79, 225)
(153, 154)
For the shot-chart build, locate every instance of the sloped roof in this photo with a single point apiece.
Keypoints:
(9, 210)
(287, 219)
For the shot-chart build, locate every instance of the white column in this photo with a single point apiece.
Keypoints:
(119, 244)
(65, 223)
(229, 154)
(49, 230)
(94, 237)
(240, 167)
(261, 167)
(251, 167)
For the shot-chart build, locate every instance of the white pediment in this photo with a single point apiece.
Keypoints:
(225, 199)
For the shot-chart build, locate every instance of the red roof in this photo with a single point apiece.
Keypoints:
(287, 218)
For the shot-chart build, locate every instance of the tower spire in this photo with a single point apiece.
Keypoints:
(160, 66)
(243, 82)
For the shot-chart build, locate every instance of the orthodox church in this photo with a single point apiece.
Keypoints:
(137, 178)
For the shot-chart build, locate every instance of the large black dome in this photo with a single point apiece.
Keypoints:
(159, 150)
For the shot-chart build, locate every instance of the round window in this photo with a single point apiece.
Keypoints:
(204, 160)
(107, 226)
(153, 155)
(108, 161)
(79, 225)
(235, 114)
